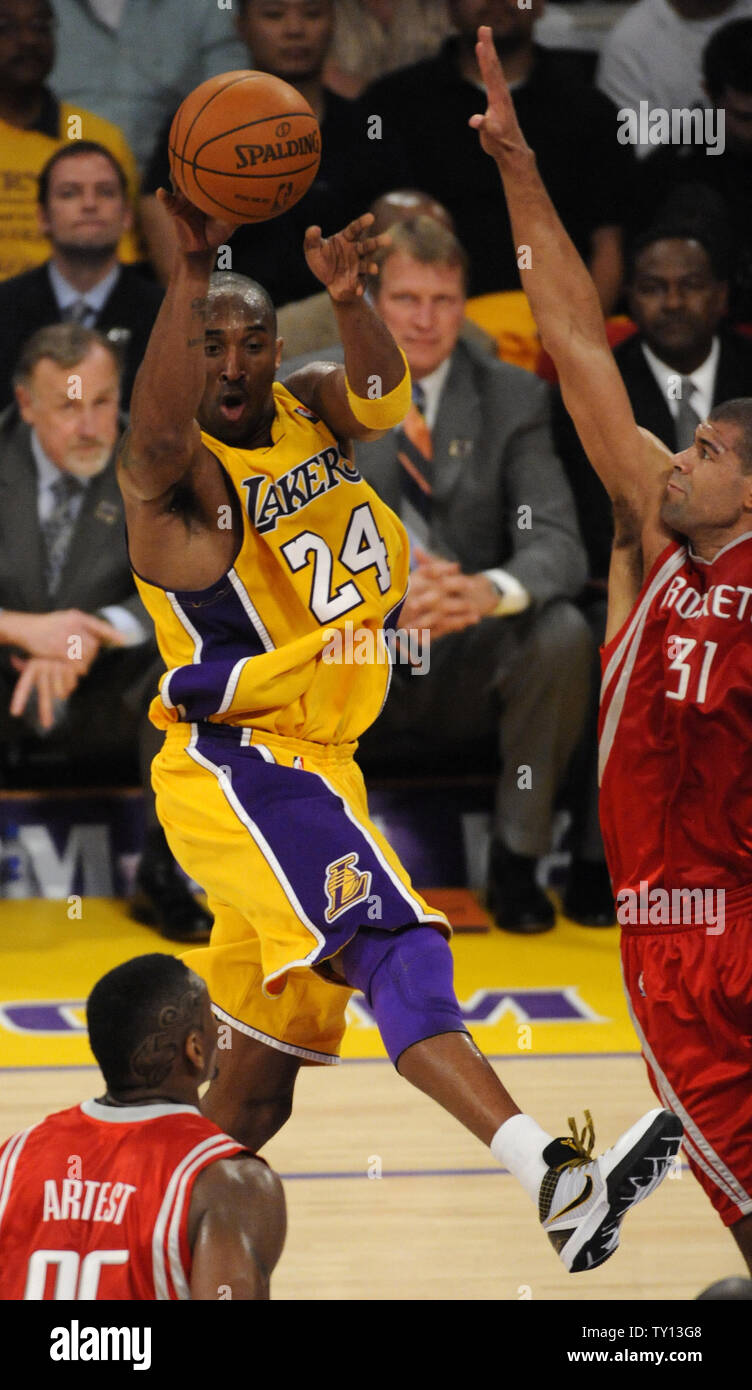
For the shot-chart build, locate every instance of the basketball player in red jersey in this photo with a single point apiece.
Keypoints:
(676, 700)
(137, 1196)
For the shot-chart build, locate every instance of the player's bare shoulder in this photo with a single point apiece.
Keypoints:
(639, 533)
(236, 1228)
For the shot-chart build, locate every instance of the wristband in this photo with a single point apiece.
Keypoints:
(382, 412)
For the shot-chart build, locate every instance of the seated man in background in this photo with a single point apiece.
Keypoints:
(473, 475)
(78, 660)
(84, 210)
(721, 181)
(425, 111)
(33, 124)
(290, 40)
(309, 325)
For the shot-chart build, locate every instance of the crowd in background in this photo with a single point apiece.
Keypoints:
(658, 203)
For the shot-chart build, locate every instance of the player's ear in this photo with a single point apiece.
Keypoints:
(278, 352)
(194, 1050)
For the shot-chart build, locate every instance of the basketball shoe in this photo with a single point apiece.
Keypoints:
(583, 1200)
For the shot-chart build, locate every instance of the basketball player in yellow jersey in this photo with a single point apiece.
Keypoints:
(252, 537)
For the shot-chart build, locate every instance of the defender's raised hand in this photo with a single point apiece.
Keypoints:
(499, 129)
(343, 261)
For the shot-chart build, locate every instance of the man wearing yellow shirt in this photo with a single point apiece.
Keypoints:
(33, 124)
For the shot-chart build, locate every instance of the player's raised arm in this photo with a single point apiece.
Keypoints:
(371, 393)
(565, 305)
(237, 1226)
(164, 437)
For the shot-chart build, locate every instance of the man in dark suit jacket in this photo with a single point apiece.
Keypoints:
(83, 209)
(78, 660)
(497, 554)
(680, 363)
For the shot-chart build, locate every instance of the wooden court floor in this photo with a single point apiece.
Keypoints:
(443, 1222)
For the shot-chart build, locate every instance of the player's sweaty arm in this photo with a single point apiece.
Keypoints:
(236, 1230)
(371, 393)
(566, 308)
(164, 438)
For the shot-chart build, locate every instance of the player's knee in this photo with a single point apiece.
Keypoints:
(407, 979)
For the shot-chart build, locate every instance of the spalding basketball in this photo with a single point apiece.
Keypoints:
(244, 146)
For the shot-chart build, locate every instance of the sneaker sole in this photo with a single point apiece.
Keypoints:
(638, 1173)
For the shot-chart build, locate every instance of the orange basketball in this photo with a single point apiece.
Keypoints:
(244, 146)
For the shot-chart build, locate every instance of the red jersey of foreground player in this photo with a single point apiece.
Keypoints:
(676, 726)
(118, 1228)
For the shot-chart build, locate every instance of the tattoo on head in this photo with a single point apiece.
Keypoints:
(152, 1060)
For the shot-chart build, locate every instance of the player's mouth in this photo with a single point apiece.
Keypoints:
(674, 487)
(231, 407)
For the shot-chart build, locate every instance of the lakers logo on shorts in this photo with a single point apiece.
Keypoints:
(344, 885)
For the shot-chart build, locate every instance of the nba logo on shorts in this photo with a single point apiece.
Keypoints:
(344, 885)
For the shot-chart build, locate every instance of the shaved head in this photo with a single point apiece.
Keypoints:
(226, 285)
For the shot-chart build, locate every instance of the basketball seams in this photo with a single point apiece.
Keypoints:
(190, 173)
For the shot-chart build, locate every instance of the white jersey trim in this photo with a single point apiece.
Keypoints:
(8, 1163)
(251, 610)
(131, 1114)
(631, 640)
(694, 1140)
(216, 1145)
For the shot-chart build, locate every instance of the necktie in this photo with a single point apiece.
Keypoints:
(78, 311)
(415, 454)
(687, 419)
(58, 528)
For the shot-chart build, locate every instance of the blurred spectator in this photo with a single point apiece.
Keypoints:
(309, 326)
(133, 61)
(33, 124)
(572, 128)
(84, 211)
(681, 362)
(492, 526)
(78, 660)
(720, 183)
(290, 39)
(373, 37)
(654, 53)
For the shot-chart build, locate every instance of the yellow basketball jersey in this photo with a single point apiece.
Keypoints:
(290, 640)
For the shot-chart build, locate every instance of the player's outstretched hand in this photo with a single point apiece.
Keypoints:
(195, 231)
(342, 262)
(499, 130)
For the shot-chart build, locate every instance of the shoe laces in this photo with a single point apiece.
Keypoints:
(581, 1144)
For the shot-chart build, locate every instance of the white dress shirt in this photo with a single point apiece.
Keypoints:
(703, 380)
(66, 294)
(513, 598)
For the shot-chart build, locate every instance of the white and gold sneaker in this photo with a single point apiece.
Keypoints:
(583, 1200)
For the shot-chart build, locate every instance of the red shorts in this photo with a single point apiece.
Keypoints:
(691, 1003)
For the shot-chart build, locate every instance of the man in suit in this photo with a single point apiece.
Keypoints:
(681, 362)
(78, 660)
(84, 210)
(493, 530)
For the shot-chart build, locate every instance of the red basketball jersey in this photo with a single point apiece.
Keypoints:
(675, 729)
(94, 1202)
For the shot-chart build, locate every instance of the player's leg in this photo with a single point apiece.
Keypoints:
(251, 1095)
(406, 977)
(742, 1233)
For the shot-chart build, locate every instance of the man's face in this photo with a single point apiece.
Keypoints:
(738, 108)
(289, 38)
(27, 43)
(675, 299)
(505, 17)
(707, 490)
(242, 356)
(423, 307)
(74, 411)
(86, 210)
